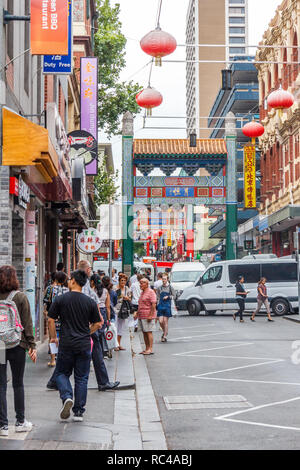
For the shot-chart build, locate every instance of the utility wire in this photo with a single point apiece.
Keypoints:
(158, 14)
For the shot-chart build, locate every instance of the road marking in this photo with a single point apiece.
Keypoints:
(243, 380)
(199, 336)
(197, 402)
(233, 345)
(254, 423)
(239, 368)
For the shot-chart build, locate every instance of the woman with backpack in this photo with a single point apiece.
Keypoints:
(164, 294)
(14, 306)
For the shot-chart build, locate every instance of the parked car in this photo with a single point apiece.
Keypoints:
(184, 275)
(215, 290)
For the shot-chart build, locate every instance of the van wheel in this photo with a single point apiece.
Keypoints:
(194, 307)
(280, 307)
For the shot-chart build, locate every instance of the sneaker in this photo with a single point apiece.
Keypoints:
(78, 416)
(108, 386)
(23, 427)
(65, 411)
(3, 430)
(51, 386)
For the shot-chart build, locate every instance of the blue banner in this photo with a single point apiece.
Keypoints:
(61, 64)
(179, 192)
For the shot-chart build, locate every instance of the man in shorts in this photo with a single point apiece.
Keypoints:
(146, 314)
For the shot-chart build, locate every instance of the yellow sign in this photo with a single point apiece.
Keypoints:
(249, 177)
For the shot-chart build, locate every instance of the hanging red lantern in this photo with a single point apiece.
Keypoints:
(158, 44)
(253, 129)
(280, 99)
(149, 98)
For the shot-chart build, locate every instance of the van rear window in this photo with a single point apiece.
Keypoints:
(283, 272)
(251, 272)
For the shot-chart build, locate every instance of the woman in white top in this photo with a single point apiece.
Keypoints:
(123, 293)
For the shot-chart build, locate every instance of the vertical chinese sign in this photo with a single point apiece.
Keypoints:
(49, 27)
(89, 103)
(249, 177)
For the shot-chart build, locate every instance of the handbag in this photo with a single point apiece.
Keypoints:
(111, 337)
(125, 310)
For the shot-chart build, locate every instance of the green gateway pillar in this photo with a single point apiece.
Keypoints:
(231, 190)
(127, 193)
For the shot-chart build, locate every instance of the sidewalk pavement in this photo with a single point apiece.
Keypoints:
(124, 419)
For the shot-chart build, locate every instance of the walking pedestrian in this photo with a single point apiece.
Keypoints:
(107, 283)
(133, 278)
(241, 295)
(16, 356)
(58, 288)
(79, 317)
(136, 293)
(146, 315)
(165, 294)
(99, 336)
(122, 308)
(114, 277)
(158, 282)
(262, 299)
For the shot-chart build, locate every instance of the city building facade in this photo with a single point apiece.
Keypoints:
(212, 23)
(40, 212)
(280, 151)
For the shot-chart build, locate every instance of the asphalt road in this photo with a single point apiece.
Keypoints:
(238, 384)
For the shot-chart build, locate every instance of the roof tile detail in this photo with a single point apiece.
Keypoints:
(179, 147)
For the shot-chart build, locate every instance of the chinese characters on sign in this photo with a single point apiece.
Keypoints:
(89, 103)
(89, 241)
(249, 177)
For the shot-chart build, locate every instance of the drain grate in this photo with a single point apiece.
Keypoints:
(198, 402)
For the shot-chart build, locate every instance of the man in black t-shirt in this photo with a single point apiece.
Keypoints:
(79, 318)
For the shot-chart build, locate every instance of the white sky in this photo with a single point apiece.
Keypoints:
(138, 17)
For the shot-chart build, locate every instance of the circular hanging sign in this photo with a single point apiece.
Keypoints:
(89, 240)
(83, 144)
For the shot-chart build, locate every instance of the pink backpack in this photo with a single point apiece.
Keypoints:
(10, 323)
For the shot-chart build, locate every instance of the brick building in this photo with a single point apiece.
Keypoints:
(280, 156)
(37, 206)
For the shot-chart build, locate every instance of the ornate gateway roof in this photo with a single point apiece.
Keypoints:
(169, 154)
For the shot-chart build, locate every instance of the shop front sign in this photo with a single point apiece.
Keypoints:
(89, 103)
(89, 241)
(249, 177)
(20, 190)
(49, 27)
(61, 64)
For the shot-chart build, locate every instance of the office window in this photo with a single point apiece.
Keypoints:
(88, 9)
(236, 30)
(237, 20)
(236, 40)
(237, 50)
(237, 10)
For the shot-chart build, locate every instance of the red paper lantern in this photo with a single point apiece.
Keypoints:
(280, 99)
(158, 44)
(149, 98)
(253, 129)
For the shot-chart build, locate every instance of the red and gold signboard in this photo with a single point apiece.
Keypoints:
(249, 177)
(49, 27)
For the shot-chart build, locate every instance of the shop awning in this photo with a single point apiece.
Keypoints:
(285, 218)
(27, 144)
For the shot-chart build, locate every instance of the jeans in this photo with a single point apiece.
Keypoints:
(241, 303)
(79, 362)
(98, 360)
(16, 357)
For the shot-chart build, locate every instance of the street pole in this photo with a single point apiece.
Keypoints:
(231, 190)
(296, 245)
(127, 193)
(110, 243)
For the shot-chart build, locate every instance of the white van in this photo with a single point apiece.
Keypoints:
(184, 275)
(215, 290)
